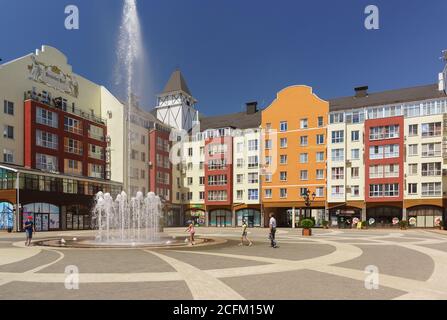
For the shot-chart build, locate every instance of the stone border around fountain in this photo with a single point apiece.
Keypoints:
(78, 244)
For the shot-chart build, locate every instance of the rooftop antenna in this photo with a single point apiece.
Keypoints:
(443, 75)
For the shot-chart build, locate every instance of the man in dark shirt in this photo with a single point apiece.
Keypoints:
(29, 229)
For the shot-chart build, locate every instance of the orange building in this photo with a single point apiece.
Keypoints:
(294, 153)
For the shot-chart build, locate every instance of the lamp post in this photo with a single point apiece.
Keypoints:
(308, 200)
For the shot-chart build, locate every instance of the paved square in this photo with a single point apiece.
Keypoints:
(329, 265)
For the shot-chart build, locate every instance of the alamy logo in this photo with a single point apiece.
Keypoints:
(372, 278)
(372, 20)
(72, 278)
(72, 20)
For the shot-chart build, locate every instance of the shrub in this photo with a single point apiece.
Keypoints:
(307, 223)
(325, 223)
(403, 224)
(364, 224)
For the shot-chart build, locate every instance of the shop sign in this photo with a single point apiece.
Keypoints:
(371, 221)
(412, 221)
(395, 221)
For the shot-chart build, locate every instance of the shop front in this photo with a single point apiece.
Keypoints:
(384, 217)
(220, 218)
(344, 217)
(6, 215)
(424, 217)
(46, 216)
(197, 216)
(251, 216)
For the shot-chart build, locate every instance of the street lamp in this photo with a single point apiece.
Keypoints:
(308, 200)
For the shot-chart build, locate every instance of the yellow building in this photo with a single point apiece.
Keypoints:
(294, 152)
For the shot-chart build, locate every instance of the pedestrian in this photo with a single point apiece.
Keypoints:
(244, 234)
(272, 227)
(29, 229)
(191, 229)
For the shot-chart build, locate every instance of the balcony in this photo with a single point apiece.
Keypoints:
(57, 104)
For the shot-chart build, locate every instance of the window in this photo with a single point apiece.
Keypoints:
(413, 130)
(384, 190)
(320, 122)
(304, 158)
(219, 164)
(143, 156)
(320, 138)
(201, 181)
(283, 126)
(338, 154)
(240, 147)
(283, 193)
(391, 171)
(73, 146)
(355, 173)
(46, 140)
(96, 152)
(268, 193)
(412, 188)
(355, 191)
(304, 141)
(431, 169)
(283, 159)
(189, 181)
(375, 152)
(252, 145)
(217, 195)
(304, 175)
(240, 179)
(268, 177)
(253, 162)
(268, 160)
(385, 132)
(320, 174)
(413, 169)
(283, 176)
(8, 156)
(375, 172)
(338, 136)
(72, 167)
(304, 124)
(253, 194)
(355, 154)
(283, 142)
(336, 118)
(338, 173)
(319, 192)
(143, 138)
(201, 195)
(8, 132)
(97, 133)
(431, 189)
(391, 151)
(355, 136)
(46, 117)
(431, 150)
(190, 152)
(72, 125)
(219, 180)
(268, 127)
(268, 144)
(189, 197)
(239, 194)
(8, 107)
(253, 177)
(46, 162)
(337, 192)
(320, 156)
(431, 129)
(240, 163)
(412, 150)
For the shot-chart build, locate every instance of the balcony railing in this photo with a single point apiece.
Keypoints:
(54, 103)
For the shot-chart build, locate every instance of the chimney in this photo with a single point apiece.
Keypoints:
(361, 92)
(252, 107)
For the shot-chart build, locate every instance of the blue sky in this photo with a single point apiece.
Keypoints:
(234, 51)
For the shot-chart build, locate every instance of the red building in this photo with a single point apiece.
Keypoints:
(384, 168)
(219, 180)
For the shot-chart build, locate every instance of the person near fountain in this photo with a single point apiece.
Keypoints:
(29, 229)
(272, 227)
(244, 234)
(191, 229)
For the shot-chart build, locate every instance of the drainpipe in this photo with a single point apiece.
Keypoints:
(18, 227)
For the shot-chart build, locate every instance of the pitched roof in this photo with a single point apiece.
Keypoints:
(176, 83)
(240, 120)
(387, 97)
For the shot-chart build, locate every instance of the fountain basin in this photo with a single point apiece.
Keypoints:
(90, 242)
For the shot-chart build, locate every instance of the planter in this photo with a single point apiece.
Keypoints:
(307, 232)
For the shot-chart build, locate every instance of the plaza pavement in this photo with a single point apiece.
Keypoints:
(331, 264)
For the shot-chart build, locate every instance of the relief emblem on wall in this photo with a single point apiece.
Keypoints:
(53, 77)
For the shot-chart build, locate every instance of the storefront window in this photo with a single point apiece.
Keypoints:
(252, 216)
(424, 217)
(45, 216)
(220, 218)
(384, 216)
(6, 215)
